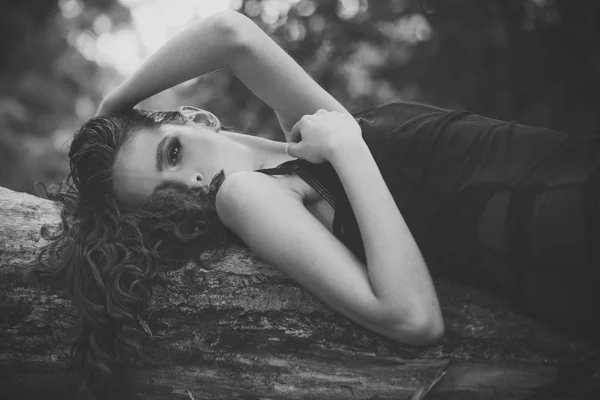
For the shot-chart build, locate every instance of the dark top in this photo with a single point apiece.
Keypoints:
(496, 205)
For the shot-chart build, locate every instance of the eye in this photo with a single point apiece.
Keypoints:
(174, 153)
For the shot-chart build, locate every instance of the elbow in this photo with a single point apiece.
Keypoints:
(234, 28)
(419, 331)
(429, 332)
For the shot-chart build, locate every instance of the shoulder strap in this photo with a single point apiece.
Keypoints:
(295, 167)
(282, 169)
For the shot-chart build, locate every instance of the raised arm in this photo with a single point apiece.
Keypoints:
(277, 79)
(232, 41)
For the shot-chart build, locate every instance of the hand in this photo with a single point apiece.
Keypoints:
(318, 137)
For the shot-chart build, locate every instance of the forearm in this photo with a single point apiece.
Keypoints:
(397, 271)
(207, 46)
(276, 78)
(232, 41)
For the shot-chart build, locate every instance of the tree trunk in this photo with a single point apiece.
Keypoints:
(245, 330)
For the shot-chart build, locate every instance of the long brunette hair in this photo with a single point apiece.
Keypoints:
(107, 255)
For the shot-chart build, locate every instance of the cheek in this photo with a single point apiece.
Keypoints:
(196, 146)
(206, 153)
(201, 150)
(134, 189)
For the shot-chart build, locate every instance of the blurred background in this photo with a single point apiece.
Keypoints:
(534, 61)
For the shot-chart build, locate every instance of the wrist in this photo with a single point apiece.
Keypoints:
(117, 100)
(348, 151)
(105, 106)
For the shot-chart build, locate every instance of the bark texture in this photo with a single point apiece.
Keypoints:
(246, 331)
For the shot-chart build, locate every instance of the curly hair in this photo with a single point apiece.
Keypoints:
(108, 255)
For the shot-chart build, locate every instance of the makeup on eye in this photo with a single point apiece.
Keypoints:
(174, 152)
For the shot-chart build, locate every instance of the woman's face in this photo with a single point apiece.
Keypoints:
(190, 153)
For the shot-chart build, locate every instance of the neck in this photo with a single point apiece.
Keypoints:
(266, 153)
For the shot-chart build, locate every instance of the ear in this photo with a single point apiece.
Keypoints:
(205, 118)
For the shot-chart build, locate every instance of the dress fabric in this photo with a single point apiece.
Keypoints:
(510, 208)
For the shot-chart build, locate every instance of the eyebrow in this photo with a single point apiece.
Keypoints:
(160, 150)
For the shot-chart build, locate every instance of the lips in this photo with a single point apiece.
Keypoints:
(214, 185)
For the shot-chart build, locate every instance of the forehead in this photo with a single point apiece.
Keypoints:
(134, 172)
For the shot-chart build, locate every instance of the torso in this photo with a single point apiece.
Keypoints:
(500, 206)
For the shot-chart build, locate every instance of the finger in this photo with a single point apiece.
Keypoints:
(321, 111)
(294, 149)
(296, 132)
(295, 135)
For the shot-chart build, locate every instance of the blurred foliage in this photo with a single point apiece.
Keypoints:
(534, 61)
(46, 86)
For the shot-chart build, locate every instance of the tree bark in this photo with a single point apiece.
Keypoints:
(245, 330)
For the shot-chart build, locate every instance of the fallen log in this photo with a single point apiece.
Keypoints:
(245, 330)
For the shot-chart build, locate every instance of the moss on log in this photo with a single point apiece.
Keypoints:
(244, 330)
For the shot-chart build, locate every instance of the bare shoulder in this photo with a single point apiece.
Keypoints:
(240, 185)
(246, 186)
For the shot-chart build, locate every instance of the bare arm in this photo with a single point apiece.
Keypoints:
(277, 79)
(397, 270)
(232, 41)
(205, 47)
(393, 296)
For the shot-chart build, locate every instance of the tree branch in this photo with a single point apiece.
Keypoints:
(245, 328)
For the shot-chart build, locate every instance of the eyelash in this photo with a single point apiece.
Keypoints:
(174, 148)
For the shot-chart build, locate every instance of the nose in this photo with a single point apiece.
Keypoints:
(197, 180)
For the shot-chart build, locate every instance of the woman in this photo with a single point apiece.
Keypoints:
(357, 209)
